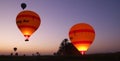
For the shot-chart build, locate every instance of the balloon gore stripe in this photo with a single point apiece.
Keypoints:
(82, 42)
(24, 26)
(82, 30)
(29, 16)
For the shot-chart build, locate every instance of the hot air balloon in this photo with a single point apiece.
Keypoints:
(23, 6)
(82, 35)
(15, 49)
(28, 22)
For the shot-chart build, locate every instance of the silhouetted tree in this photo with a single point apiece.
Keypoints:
(32, 54)
(24, 55)
(67, 48)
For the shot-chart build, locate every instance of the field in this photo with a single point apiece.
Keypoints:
(92, 57)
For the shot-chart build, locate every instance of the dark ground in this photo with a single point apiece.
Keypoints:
(90, 57)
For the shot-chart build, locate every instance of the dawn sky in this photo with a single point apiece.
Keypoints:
(57, 17)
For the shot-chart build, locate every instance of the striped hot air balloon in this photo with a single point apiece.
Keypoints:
(28, 22)
(82, 35)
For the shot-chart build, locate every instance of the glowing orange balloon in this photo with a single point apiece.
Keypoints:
(82, 36)
(28, 22)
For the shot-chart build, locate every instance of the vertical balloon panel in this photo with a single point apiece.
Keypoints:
(28, 22)
(82, 36)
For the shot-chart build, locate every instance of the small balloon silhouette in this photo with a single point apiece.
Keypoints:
(15, 49)
(16, 54)
(23, 6)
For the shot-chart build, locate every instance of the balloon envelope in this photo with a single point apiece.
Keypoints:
(28, 22)
(23, 6)
(15, 49)
(82, 36)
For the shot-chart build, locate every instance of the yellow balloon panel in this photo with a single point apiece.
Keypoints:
(82, 47)
(26, 32)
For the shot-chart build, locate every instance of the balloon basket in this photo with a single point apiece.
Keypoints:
(26, 40)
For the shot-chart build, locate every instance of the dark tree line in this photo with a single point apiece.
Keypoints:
(67, 49)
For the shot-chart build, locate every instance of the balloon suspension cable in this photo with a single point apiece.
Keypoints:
(82, 52)
(27, 37)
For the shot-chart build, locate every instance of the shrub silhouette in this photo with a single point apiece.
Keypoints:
(67, 49)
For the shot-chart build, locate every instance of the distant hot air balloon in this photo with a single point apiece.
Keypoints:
(28, 22)
(82, 35)
(23, 6)
(15, 49)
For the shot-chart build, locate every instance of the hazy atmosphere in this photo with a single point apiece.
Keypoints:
(57, 17)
